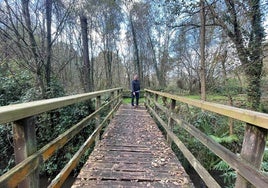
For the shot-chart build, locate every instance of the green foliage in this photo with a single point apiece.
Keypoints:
(214, 126)
(232, 87)
(264, 165)
(13, 86)
(54, 123)
(16, 89)
(228, 173)
(225, 139)
(56, 89)
(6, 143)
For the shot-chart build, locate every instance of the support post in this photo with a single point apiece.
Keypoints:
(156, 100)
(113, 103)
(24, 139)
(170, 120)
(145, 99)
(118, 93)
(164, 99)
(97, 106)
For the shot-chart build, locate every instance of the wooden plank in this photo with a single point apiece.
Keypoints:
(170, 120)
(254, 176)
(132, 150)
(249, 116)
(19, 111)
(134, 175)
(128, 184)
(23, 169)
(171, 166)
(203, 173)
(24, 139)
(63, 175)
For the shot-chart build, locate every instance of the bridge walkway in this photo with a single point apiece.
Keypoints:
(132, 153)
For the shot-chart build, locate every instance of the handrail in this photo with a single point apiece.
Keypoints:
(28, 165)
(242, 167)
(19, 111)
(248, 116)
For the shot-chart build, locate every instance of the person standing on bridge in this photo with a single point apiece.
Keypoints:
(135, 90)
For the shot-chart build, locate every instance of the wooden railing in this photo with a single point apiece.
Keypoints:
(28, 159)
(254, 176)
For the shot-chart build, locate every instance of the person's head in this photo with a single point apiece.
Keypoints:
(136, 77)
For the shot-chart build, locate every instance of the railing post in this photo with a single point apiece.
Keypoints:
(113, 103)
(156, 99)
(24, 139)
(97, 106)
(170, 120)
(164, 99)
(145, 99)
(117, 94)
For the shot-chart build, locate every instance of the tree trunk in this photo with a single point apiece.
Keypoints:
(157, 71)
(229, 95)
(92, 57)
(118, 68)
(86, 63)
(136, 50)
(202, 51)
(48, 46)
(33, 46)
(255, 137)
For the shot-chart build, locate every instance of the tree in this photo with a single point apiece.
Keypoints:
(27, 31)
(48, 42)
(202, 50)
(242, 22)
(86, 64)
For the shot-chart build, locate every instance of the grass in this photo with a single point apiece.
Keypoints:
(209, 97)
(128, 100)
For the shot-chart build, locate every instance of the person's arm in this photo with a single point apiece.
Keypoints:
(132, 87)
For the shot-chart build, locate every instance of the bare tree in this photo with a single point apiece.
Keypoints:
(30, 36)
(86, 64)
(202, 50)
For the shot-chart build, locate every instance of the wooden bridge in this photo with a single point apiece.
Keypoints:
(132, 152)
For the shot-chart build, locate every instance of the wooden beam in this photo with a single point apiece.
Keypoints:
(24, 139)
(256, 118)
(18, 173)
(97, 106)
(242, 167)
(203, 173)
(170, 120)
(65, 172)
(19, 111)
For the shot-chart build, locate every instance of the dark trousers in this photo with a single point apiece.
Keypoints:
(137, 96)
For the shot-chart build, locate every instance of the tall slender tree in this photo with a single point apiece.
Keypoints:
(48, 42)
(86, 64)
(202, 49)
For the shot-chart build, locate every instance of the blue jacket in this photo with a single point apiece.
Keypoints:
(135, 85)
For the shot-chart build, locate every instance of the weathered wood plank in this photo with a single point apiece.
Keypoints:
(24, 139)
(254, 176)
(128, 184)
(133, 153)
(19, 172)
(19, 111)
(65, 172)
(203, 173)
(252, 117)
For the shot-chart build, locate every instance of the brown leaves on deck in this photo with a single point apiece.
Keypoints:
(133, 152)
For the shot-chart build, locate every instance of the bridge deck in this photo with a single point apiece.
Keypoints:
(132, 153)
